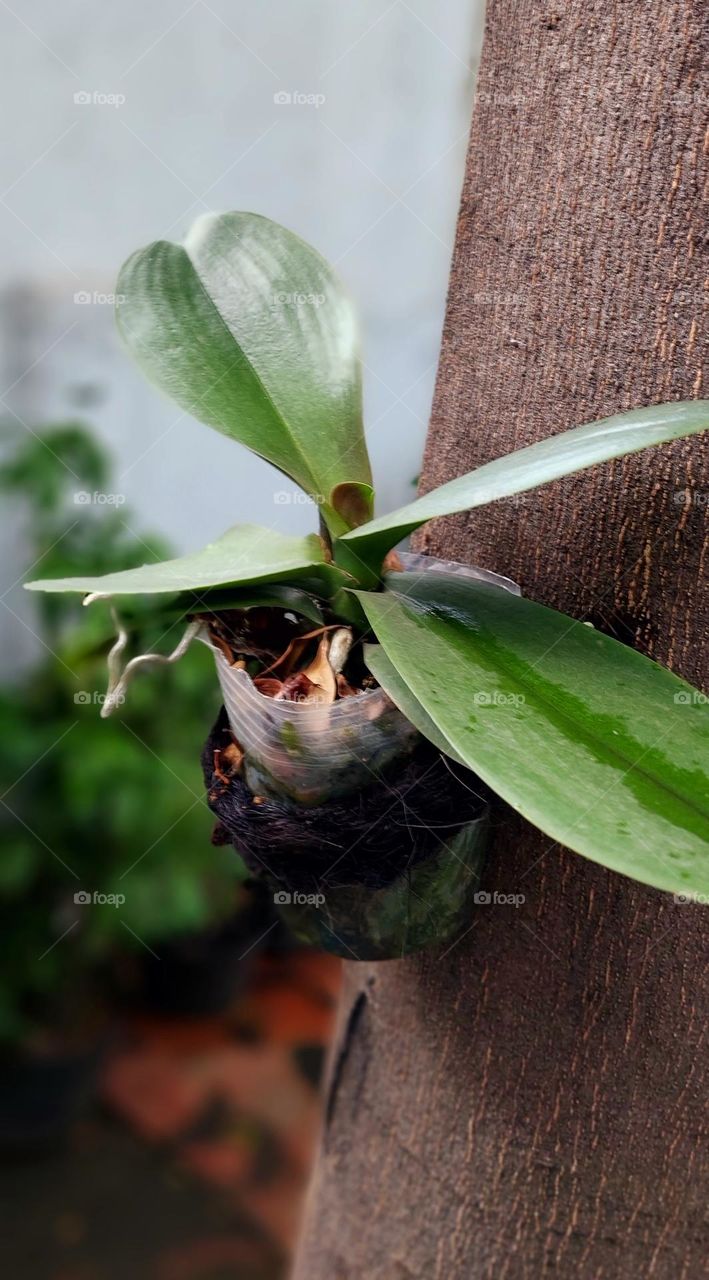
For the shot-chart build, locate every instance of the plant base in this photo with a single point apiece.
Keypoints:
(371, 876)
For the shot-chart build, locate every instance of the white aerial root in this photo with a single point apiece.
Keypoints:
(118, 680)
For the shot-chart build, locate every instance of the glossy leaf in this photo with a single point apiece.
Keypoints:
(244, 554)
(386, 674)
(272, 595)
(222, 599)
(598, 746)
(249, 330)
(560, 455)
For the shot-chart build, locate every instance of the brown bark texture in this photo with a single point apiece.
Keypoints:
(530, 1102)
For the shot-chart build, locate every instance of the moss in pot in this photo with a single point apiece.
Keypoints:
(248, 328)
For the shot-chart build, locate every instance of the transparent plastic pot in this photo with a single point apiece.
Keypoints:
(427, 904)
(309, 753)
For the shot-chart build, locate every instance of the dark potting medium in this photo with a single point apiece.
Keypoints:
(313, 755)
(370, 841)
(373, 875)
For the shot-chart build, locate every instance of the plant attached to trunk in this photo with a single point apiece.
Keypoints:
(247, 328)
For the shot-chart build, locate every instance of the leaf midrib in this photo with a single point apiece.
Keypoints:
(560, 714)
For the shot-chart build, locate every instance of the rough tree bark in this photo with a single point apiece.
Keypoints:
(530, 1102)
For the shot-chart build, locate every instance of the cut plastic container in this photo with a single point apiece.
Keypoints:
(309, 753)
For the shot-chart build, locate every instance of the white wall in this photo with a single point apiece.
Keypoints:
(371, 176)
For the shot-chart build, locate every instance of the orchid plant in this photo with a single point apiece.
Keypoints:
(602, 749)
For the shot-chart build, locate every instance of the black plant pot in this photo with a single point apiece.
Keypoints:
(370, 841)
(374, 875)
(427, 902)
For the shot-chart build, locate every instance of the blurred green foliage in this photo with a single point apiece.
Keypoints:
(109, 806)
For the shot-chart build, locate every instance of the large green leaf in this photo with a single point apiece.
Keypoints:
(537, 464)
(168, 609)
(250, 330)
(244, 554)
(384, 671)
(595, 744)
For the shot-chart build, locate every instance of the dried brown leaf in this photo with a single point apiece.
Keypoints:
(269, 686)
(297, 688)
(322, 675)
(344, 688)
(295, 651)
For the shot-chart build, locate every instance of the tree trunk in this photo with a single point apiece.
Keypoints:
(529, 1101)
